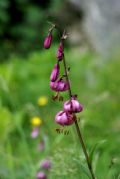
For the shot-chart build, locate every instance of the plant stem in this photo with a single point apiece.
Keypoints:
(84, 149)
(77, 126)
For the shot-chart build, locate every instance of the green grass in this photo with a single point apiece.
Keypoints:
(23, 81)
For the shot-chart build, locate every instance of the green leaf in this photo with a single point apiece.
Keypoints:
(92, 152)
(83, 168)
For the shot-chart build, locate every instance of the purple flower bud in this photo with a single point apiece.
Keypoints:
(64, 118)
(55, 73)
(48, 41)
(35, 132)
(59, 85)
(60, 51)
(73, 106)
(41, 175)
(46, 164)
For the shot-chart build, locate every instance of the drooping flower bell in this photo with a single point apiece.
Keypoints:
(48, 41)
(63, 118)
(55, 73)
(59, 85)
(60, 51)
(73, 106)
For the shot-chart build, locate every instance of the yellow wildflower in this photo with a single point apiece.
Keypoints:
(36, 121)
(42, 101)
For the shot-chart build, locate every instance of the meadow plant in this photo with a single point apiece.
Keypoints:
(41, 145)
(36, 122)
(62, 83)
(42, 101)
(35, 132)
(41, 175)
(45, 164)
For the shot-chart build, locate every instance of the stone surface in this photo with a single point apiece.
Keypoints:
(101, 24)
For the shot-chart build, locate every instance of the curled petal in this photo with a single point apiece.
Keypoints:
(59, 85)
(73, 106)
(63, 118)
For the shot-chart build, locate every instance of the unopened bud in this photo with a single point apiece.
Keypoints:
(55, 73)
(48, 41)
(60, 51)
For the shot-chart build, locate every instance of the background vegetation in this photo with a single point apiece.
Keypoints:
(22, 25)
(23, 81)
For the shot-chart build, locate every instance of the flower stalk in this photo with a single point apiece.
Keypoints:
(77, 126)
(59, 84)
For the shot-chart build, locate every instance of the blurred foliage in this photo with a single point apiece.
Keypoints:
(96, 82)
(23, 25)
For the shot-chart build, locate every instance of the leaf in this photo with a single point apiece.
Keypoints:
(91, 155)
(83, 168)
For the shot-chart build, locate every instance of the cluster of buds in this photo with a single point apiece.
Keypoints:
(61, 84)
(57, 83)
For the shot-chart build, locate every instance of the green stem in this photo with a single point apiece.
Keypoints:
(77, 126)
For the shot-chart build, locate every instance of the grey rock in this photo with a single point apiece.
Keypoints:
(101, 24)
